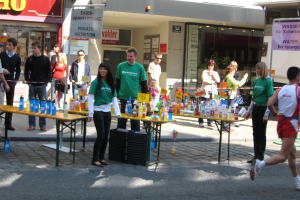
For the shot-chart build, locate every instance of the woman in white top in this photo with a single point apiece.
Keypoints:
(210, 79)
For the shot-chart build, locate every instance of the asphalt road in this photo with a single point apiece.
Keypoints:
(207, 181)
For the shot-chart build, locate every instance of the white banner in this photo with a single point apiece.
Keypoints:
(86, 23)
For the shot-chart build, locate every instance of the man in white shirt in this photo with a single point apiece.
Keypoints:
(154, 69)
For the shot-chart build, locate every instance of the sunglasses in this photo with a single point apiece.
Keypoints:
(80, 55)
(158, 58)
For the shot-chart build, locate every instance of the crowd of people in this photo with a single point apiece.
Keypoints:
(131, 79)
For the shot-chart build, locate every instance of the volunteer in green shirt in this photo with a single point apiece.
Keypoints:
(102, 94)
(130, 80)
(261, 91)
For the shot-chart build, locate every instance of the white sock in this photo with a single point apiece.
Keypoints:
(261, 163)
(297, 177)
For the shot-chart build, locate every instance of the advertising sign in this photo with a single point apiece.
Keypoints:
(86, 23)
(32, 10)
(286, 36)
(110, 36)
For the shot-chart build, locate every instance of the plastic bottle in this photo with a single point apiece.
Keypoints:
(43, 106)
(48, 107)
(236, 113)
(27, 108)
(72, 104)
(53, 108)
(7, 146)
(170, 113)
(36, 105)
(140, 110)
(32, 102)
(65, 110)
(144, 110)
(21, 105)
(134, 111)
(207, 110)
(129, 107)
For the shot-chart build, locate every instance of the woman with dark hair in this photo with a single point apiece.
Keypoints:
(210, 79)
(102, 94)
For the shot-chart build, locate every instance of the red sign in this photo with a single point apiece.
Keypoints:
(163, 48)
(110, 36)
(32, 10)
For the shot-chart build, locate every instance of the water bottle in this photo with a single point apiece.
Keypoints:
(27, 108)
(53, 108)
(43, 106)
(32, 102)
(21, 105)
(36, 105)
(236, 113)
(48, 107)
(7, 146)
(170, 113)
(65, 110)
(129, 107)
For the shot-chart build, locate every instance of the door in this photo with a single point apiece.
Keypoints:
(114, 58)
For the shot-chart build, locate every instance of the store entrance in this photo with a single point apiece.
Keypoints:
(114, 58)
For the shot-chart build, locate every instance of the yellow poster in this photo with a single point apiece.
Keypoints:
(143, 98)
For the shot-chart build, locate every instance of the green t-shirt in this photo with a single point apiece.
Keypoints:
(262, 90)
(130, 77)
(102, 96)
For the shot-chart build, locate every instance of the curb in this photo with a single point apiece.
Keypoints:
(92, 139)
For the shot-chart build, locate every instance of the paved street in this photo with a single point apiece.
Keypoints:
(28, 171)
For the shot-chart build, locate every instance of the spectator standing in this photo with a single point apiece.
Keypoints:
(37, 74)
(59, 75)
(154, 69)
(12, 63)
(53, 54)
(3, 85)
(131, 79)
(261, 91)
(102, 94)
(233, 84)
(80, 67)
(288, 100)
(210, 79)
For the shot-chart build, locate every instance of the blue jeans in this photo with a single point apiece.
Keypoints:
(37, 91)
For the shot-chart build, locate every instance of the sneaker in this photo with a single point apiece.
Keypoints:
(11, 128)
(43, 129)
(297, 183)
(255, 169)
(30, 128)
(236, 124)
(210, 124)
(201, 125)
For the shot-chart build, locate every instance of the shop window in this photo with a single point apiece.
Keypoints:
(223, 44)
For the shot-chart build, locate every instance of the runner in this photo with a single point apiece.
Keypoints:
(288, 99)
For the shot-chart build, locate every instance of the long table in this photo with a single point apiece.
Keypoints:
(153, 128)
(61, 123)
(219, 124)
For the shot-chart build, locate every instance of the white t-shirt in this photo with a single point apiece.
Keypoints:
(155, 71)
(287, 100)
(80, 72)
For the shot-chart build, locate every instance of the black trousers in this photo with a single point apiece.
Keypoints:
(200, 120)
(10, 101)
(102, 122)
(135, 124)
(259, 131)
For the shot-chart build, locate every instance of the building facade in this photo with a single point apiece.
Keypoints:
(30, 21)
